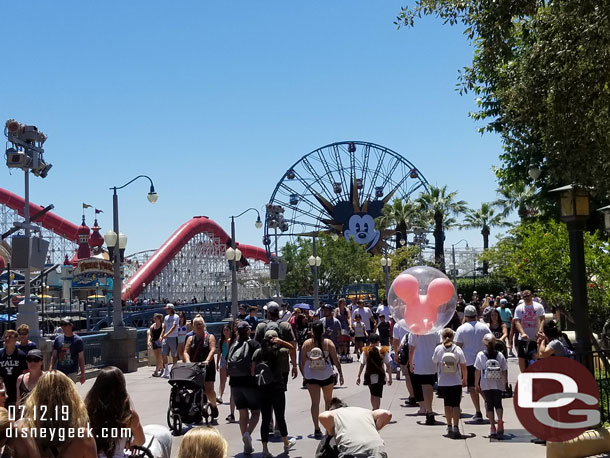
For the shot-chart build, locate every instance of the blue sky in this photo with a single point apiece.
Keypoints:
(215, 101)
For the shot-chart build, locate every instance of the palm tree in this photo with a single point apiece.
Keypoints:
(520, 197)
(440, 206)
(402, 215)
(484, 218)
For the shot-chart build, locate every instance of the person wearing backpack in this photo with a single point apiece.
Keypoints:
(268, 372)
(375, 361)
(284, 331)
(317, 358)
(421, 349)
(554, 342)
(242, 382)
(452, 374)
(490, 380)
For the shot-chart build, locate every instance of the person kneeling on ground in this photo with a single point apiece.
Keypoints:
(355, 429)
(203, 442)
(115, 412)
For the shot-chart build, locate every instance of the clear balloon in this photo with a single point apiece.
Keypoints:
(422, 299)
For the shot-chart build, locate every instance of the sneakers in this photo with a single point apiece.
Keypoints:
(456, 433)
(430, 419)
(450, 431)
(247, 439)
(214, 411)
(277, 433)
(477, 417)
(219, 400)
(317, 434)
(492, 431)
(156, 374)
(165, 372)
(291, 443)
(230, 418)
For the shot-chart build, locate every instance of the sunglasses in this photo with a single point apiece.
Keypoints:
(526, 296)
(23, 333)
(33, 360)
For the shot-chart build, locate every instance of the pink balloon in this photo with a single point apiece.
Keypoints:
(421, 309)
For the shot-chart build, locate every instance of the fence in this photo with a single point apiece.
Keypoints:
(599, 364)
(93, 350)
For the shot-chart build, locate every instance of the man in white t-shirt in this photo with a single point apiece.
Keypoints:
(469, 336)
(529, 321)
(400, 336)
(384, 309)
(366, 314)
(421, 349)
(169, 335)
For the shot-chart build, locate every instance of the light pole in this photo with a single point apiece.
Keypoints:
(314, 262)
(454, 270)
(386, 263)
(26, 153)
(233, 255)
(574, 206)
(113, 239)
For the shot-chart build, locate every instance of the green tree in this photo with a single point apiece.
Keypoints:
(541, 71)
(343, 262)
(519, 197)
(440, 206)
(399, 217)
(537, 256)
(484, 218)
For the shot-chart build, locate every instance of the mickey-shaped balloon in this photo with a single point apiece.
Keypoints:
(422, 299)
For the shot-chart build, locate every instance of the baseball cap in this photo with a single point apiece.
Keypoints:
(489, 337)
(35, 354)
(273, 307)
(470, 310)
(243, 324)
(270, 334)
(66, 320)
(503, 301)
(328, 306)
(169, 306)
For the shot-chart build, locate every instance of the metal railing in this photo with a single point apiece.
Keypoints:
(598, 363)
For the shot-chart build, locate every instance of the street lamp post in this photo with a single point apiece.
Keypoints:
(233, 255)
(574, 206)
(314, 262)
(454, 270)
(386, 263)
(113, 239)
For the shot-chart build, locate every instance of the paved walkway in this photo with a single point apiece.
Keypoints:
(405, 435)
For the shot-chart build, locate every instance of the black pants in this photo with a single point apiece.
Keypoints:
(273, 397)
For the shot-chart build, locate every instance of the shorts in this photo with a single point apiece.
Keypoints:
(210, 372)
(181, 339)
(360, 339)
(246, 397)
(524, 347)
(223, 363)
(376, 389)
(329, 381)
(170, 345)
(470, 378)
(493, 399)
(344, 339)
(425, 379)
(452, 395)
(156, 345)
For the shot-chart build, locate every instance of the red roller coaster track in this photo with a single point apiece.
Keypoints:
(162, 256)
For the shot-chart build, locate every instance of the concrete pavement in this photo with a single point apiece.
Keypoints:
(406, 434)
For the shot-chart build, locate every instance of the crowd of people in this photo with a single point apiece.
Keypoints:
(256, 356)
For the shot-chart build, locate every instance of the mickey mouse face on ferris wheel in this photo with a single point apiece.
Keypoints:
(361, 227)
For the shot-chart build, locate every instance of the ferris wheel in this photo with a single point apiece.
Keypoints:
(340, 189)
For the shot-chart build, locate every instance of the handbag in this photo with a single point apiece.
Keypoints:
(327, 448)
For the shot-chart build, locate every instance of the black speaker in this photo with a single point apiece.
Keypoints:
(23, 248)
(278, 270)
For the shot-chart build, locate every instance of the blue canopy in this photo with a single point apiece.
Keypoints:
(4, 317)
(303, 306)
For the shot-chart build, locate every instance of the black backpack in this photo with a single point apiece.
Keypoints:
(239, 360)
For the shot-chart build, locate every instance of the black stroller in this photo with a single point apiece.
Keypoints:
(187, 400)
